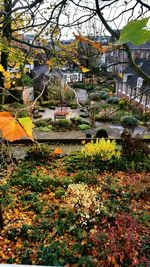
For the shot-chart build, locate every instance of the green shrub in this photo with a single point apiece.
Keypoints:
(117, 116)
(59, 192)
(128, 121)
(103, 95)
(97, 117)
(76, 161)
(84, 126)
(43, 122)
(47, 128)
(37, 116)
(104, 106)
(52, 254)
(102, 133)
(27, 80)
(63, 123)
(112, 100)
(78, 119)
(35, 183)
(25, 258)
(40, 123)
(41, 109)
(21, 108)
(89, 87)
(84, 114)
(122, 103)
(37, 152)
(50, 103)
(68, 95)
(85, 86)
(95, 97)
(78, 85)
(86, 176)
(146, 117)
(73, 105)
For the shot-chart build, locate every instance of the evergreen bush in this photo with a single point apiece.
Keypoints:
(128, 121)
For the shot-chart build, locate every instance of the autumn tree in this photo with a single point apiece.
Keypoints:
(18, 18)
(51, 20)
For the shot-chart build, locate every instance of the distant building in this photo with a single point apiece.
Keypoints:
(133, 87)
(72, 76)
(128, 84)
(120, 56)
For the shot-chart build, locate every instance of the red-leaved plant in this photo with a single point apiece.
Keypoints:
(117, 241)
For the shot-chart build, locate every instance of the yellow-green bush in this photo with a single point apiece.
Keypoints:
(105, 149)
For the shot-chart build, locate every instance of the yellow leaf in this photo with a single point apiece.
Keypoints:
(7, 85)
(49, 63)
(27, 124)
(18, 76)
(1, 68)
(6, 74)
(17, 66)
(84, 69)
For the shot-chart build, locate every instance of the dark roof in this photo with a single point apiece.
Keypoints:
(138, 61)
(132, 81)
(37, 71)
(146, 66)
(128, 70)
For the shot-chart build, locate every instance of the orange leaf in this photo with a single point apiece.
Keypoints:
(58, 151)
(96, 45)
(112, 260)
(18, 243)
(10, 127)
(84, 69)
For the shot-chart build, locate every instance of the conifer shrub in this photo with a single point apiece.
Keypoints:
(84, 126)
(112, 100)
(130, 122)
(102, 133)
(103, 95)
(63, 123)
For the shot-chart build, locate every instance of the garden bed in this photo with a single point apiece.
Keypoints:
(77, 209)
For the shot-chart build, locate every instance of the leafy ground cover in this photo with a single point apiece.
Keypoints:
(80, 209)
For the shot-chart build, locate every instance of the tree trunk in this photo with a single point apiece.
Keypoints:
(6, 34)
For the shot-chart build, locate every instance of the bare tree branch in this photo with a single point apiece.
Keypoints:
(143, 4)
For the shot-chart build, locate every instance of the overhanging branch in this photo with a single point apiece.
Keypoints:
(126, 47)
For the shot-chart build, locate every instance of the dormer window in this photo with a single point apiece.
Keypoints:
(139, 82)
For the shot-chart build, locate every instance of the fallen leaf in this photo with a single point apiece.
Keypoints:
(58, 151)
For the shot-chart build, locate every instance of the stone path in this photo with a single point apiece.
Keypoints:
(59, 135)
(19, 152)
